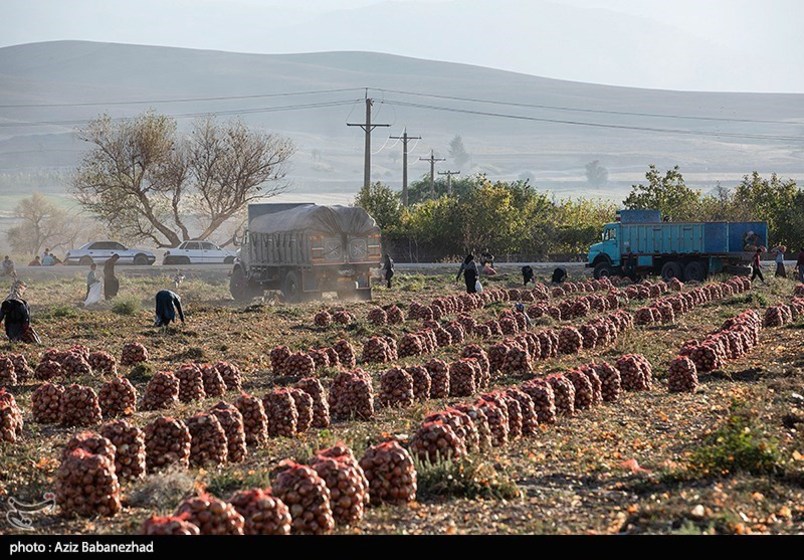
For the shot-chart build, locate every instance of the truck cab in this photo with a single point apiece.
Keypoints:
(604, 256)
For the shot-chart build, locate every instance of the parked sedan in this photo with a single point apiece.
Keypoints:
(198, 252)
(98, 252)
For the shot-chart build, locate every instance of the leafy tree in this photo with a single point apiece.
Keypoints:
(596, 174)
(457, 151)
(775, 200)
(142, 179)
(419, 190)
(667, 193)
(382, 203)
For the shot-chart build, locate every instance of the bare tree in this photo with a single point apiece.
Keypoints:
(40, 223)
(144, 181)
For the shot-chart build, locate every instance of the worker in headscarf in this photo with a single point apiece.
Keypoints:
(17, 315)
(168, 303)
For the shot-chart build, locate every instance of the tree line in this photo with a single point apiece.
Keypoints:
(516, 220)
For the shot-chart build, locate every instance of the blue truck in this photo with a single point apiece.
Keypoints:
(640, 243)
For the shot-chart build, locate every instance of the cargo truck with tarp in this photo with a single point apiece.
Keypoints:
(305, 250)
(640, 243)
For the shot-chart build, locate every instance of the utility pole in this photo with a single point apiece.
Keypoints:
(405, 139)
(449, 175)
(432, 159)
(367, 128)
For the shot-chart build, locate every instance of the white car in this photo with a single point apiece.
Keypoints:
(99, 252)
(198, 252)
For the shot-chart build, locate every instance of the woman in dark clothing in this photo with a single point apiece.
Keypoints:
(527, 274)
(757, 266)
(469, 271)
(167, 305)
(110, 283)
(388, 269)
(17, 315)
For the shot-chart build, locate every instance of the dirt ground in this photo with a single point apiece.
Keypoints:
(622, 467)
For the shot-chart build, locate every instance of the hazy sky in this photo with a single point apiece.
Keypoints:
(710, 45)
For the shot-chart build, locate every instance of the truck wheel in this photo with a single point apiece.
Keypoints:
(602, 270)
(694, 271)
(240, 288)
(671, 270)
(291, 288)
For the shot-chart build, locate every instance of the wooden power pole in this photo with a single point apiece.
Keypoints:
(432, 159)
(367, 128)
(405, 139)
(449, 175)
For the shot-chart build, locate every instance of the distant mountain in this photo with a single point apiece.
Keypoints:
(72, 82)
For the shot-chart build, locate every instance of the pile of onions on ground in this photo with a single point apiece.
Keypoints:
(80, 407)
(255, 422)
(211, 515)
(129, 443)
(306, 495)
(117, 397)
(10, 418)
(46, 403)
(351, 395)
(161, 392)
(264, 514)
(167, 444)
(133, 353)
(347, 483)
(86, 485)
(390, 472)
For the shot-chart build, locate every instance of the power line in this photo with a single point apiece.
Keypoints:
(177, 100)
(319, 105)
(599, 125)
(581, 110)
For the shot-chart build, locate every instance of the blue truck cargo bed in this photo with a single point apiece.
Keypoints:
(709, 238)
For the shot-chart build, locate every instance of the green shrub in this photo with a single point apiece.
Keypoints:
(223, 484)
(63, 311)
(127, 306)
(467, 477)
(737, 446)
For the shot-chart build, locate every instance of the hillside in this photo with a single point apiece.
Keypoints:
(78, 80)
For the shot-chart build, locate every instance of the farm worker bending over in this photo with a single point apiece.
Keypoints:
(92, 278)
(469, 271)
(167, 304)
(17, 315)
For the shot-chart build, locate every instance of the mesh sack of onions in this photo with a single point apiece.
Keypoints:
(307, 497)
(594, 380)
(410, 345)
(8, 377)
(230, 374)
(436, 441)
(377, 317)
(564, 393)
(168, 525)
(480, 422)
(320, 358)
(351, 395)
(74, 365)
(439, 378)
(456, 332)
(346, 354)
(343, 317)
(211, 515)
(557, 292)
(482, 331)
(496, 356)
(263, 514)
(375, 350)
(508, 325)
(707, 356)
(425, 313)
(117, 397)
(47, 370)
(320, 407)
(348, 487)
(332, 355)
(279, 356)
(299, 364)
(589, 335)
(322, 319)
(461, 423)
(394, 315)
(133, 353)
(80, 407)
(537, 310)
(167, 443)
(610, 383)
(86, 485)
(393, 351)
(682, 375)
(255, 422)
(443, 338)
(91, 443)
(555, 312)
(161, 392)
(548, 349)
(467, 322)
(462, 382)
(570, 340)
(631, 373)
(494, 327)
(103, 363)
(21, 367)
(421, 382)
(566, 309)
(396, 388)
(517, 362)
(774, 317)
(435, 312)
(280, 409)
(191, 383)
(514, 410)
(213, 382)
(413, 310)
(429, 341)
(129, 443)
(390, 472)
(46, 403)
(231, 421)
(304, 408)
(583, 389)
(530, 420)
(475, 351)
(496, 411)
(10, 418)
(644, 316)
(207, 440)
(543, 397)
(580, 307)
